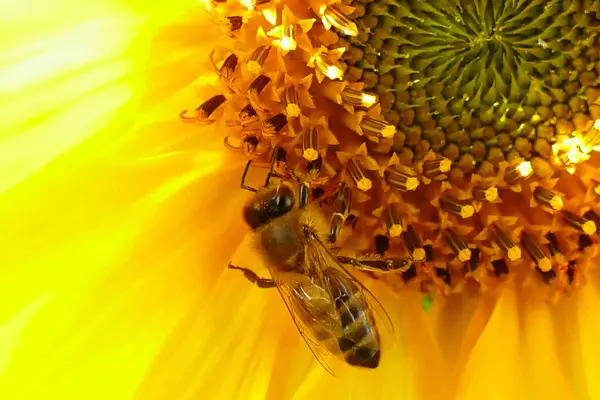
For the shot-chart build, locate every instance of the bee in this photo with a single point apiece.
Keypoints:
(333, 311)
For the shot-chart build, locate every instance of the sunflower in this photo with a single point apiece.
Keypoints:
(465, 129)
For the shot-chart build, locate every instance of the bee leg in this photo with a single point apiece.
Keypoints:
(378, 264)
(341, 207)
(263, 283)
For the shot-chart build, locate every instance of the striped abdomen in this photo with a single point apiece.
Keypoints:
(359, 339)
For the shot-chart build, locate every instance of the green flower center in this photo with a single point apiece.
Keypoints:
(478, 80)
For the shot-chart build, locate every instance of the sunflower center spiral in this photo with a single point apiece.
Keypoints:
(477, 80)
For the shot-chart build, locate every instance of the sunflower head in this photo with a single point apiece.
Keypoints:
(460, 134)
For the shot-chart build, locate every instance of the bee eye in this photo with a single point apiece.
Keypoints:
(268, 206)
(281, 203)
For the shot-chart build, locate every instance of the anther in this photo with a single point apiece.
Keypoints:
(287, 41)
(535, 252)
(518, 172)
(458, 246)
(553, 246)
(548, 198)
(500, 268)
(356, 98)
(401, 178)
(358, 176)
(456, 207)
(474, 261)
(274, 125)
(584, 241)
(413, 244)
(292, 107)
(341, 207)
(257, 59)
(592, 216)
(582, 224)
(508, 247)
(393, 221)
(205, 110)
(434, 168)
(248, 114)
(258, 84)
(309, 145)
(444, 275)
(235, 23)
(485, 193)
(327, 67)
(228, 66)
(332, 16)
(377, 127)
(547, 276)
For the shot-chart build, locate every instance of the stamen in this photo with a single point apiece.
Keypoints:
(358, 176)
(548, 198)
(315, 166)
(205, 110)
(341, 207)
(228, 66)
(413, 244)
(235, 23)
(592, 216)
(287, 41)
(518, 172)
(343, 200)
(332, 16)
(584, 241)
(444, 274)
(376, 127)
(456, 207)
(292, 107)
(553, 246)
(474, 261)
(327, 67)
(437, 167)
(274, 125)
(402, 178)
(535, 252)
(248, 114)
(580, 223)
(591, 138)
(257, 59)
(547, 276)
(356, 98)
(485, 193)
(500, 267)
(393, 221)
(309, 145)
(250, 146)
(458, 246)
(508, 247)
(258, 84)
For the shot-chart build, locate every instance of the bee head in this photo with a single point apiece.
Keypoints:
(268, 204)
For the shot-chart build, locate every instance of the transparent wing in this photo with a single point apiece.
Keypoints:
(319, 256)
(313, 313)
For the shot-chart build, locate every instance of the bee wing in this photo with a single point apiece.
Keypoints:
(299, 294)
(320, 258)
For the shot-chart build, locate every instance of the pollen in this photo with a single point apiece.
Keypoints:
(466, 136)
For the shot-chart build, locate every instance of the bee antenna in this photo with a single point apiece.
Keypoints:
(243, 183)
